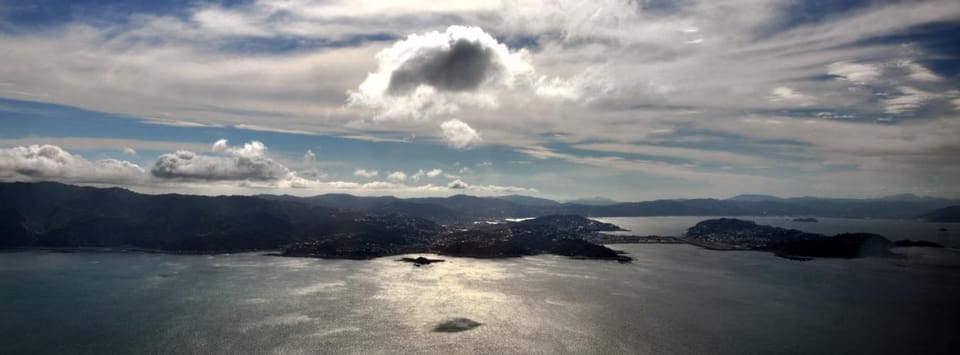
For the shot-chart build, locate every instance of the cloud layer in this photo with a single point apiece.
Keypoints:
(230, 167)
(704, 92)
(49, 162)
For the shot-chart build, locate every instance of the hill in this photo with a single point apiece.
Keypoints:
(950, 214)
(57, 215)
(464, 208)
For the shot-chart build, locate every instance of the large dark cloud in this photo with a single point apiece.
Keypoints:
(188, 165)
(463, 66)
(435, 73)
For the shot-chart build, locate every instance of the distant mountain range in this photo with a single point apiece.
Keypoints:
(463, 208)
(52, 215)
(57, 215)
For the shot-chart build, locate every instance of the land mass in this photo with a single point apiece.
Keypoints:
(950, 214)
(58, 216)
(465, 209)
(736, 234)
(53, 215)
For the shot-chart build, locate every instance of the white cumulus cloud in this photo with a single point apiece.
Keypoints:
(432, 174)
(248, 150)
(246, 162)
(438, 72)
(459, 135)
(486, 189)
(188, 165)
(397, 176)
(50, 162)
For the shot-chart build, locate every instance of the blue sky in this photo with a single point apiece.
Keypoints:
(628, 100)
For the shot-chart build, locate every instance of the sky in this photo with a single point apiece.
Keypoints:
(628, 100)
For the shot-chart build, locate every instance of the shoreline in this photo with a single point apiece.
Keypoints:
(133, 250)
(273, 253)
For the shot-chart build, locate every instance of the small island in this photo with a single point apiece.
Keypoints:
(418, 261)
(806, 220)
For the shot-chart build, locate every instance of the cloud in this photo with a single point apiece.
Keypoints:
(188, 165)
(97, 143)
(438, 72)
(909, 100)
(855, 72)
(573, 20)
(129, 151)
(366, 173)
(432, 174)
(50, 162)
(457, 185)
(397, 176)
(918, 72)
(459, 135)
(251, 149)
(788, 95)
(487, 189)
(464, 66)
(226, 66)
(711, 155)
(312, 174)
(417, 176)
(246, 162)
(309, 157)
(592, 83)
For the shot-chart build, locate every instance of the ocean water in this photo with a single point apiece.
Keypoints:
(673, 299)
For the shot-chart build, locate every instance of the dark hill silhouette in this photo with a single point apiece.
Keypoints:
(57, 215)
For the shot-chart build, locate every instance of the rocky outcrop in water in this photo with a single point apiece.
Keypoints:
(456, 325)
(418, 261)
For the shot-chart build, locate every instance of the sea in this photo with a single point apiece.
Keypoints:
(672, 299)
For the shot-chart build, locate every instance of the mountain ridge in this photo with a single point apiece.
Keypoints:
(465, 208)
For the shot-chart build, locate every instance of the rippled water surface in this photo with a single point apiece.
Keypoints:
(673, 299)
